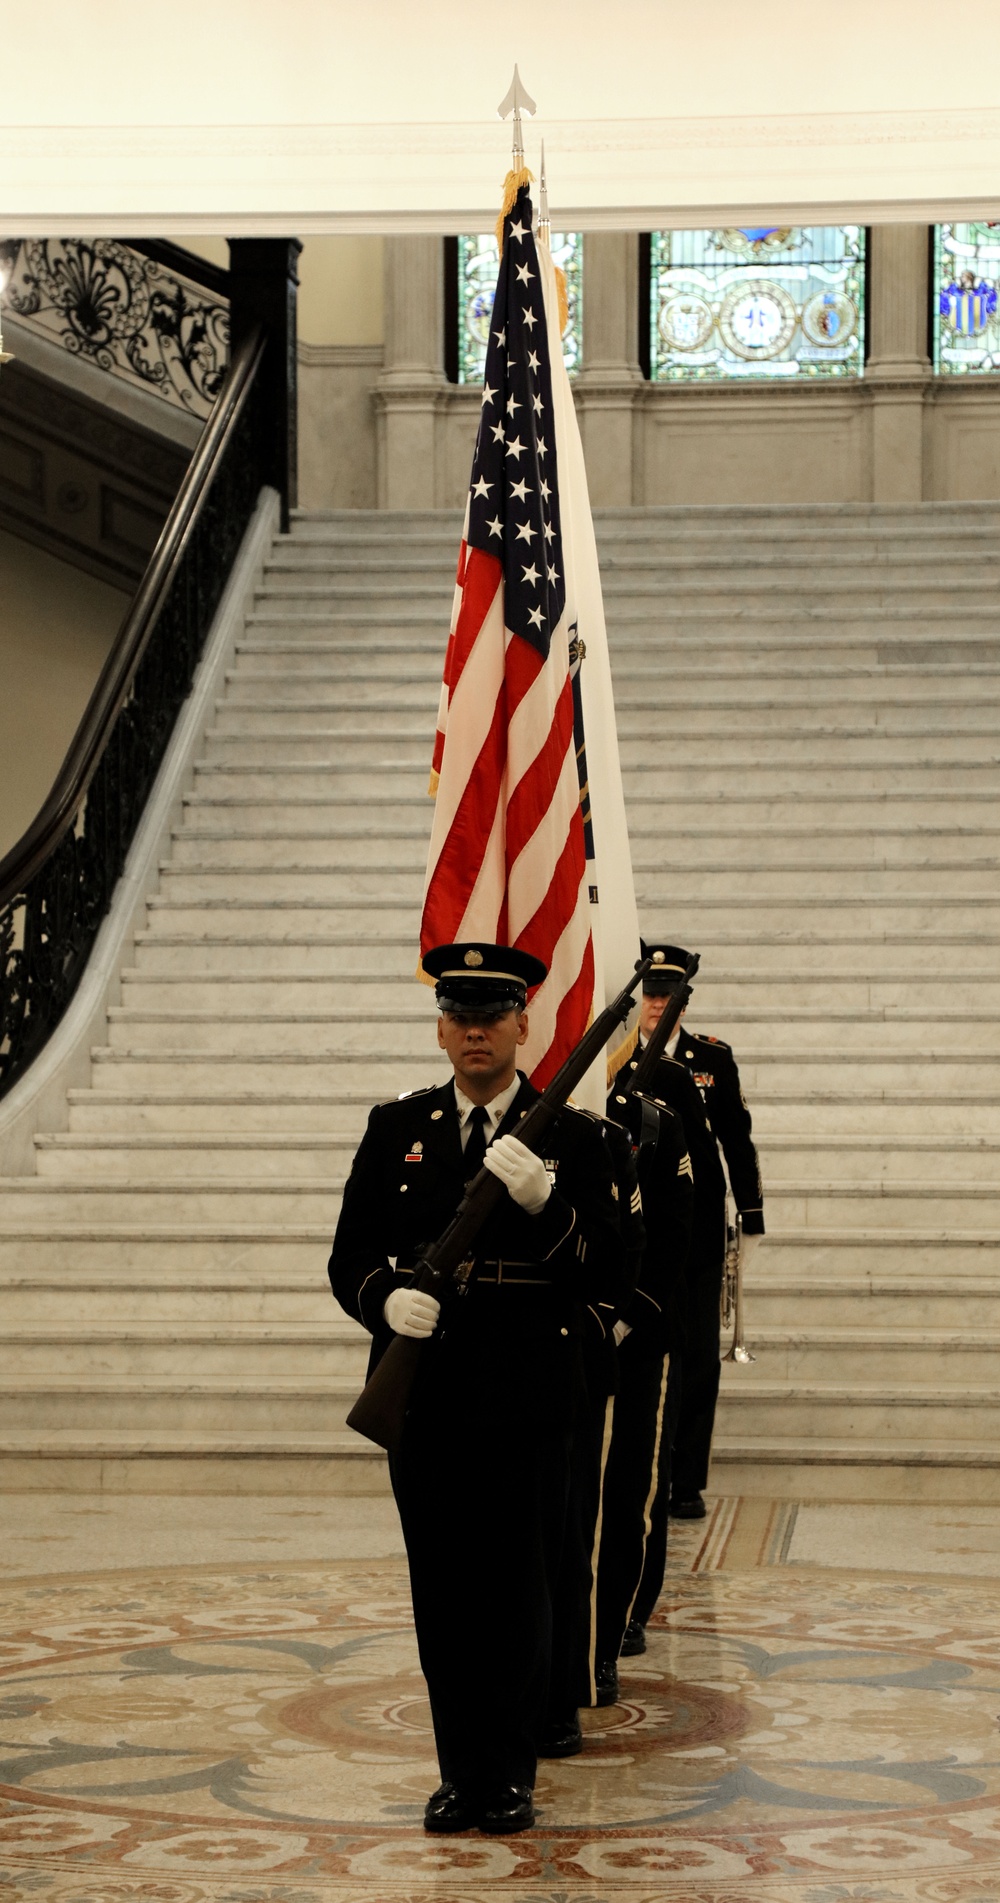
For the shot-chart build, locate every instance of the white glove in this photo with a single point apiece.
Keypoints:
(522, 1173)
(748, 1249)
(409, 1311)
(621, 1330)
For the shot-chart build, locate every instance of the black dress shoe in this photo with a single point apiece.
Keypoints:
(560, 1737)
(606, 1681)
(634, 1641)
(450, 1809)
(693, 1509)
(506, 1810)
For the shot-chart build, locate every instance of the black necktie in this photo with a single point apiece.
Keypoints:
(475, 1147)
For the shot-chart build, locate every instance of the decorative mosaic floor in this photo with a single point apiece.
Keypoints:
(259, 1734)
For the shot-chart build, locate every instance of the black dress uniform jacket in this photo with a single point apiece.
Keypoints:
(482, 1477)
(712, 1067)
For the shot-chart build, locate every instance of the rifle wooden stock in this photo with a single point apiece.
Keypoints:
(656, 1044)
(379, 1412)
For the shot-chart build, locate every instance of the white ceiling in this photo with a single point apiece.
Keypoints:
(317, 115)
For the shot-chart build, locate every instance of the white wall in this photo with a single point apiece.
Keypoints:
(56, 627)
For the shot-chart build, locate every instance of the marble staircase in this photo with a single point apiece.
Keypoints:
(808, 706)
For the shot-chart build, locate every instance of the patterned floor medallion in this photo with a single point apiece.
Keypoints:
(250, 1736)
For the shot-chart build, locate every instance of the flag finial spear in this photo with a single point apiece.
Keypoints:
(517, 100)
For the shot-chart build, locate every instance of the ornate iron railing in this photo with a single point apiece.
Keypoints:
(148, 313)
(56, 883)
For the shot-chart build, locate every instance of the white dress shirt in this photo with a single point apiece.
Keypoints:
(495, 1110)
(669, 1047)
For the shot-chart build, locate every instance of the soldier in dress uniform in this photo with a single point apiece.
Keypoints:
(650, 1333)
(482, 1476)
(724, 1124)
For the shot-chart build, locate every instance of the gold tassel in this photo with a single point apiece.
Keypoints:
(432, 783)
(563, 297)
(511, 186)
(620, 1057)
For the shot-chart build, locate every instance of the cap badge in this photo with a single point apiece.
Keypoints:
(658, 958)
(473, 958)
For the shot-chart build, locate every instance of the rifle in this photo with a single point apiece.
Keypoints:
(445, 1267)
(645, 1069)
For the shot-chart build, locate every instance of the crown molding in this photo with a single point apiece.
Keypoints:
(165, 180)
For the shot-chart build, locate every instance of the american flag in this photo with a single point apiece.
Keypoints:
(508, 860)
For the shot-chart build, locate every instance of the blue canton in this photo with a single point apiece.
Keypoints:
(514, 499)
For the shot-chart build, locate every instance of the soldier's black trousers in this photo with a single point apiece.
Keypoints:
(654, 1563)
(482, 1513)
(638, 1460)
(573, 1653)
(700, 1375)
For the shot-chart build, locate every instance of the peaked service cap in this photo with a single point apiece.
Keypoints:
(669, 964)
(489, 979)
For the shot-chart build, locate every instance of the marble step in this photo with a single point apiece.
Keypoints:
(197, 1412)
(880, 651)
(234, 1300)
(170, 1461)
(640, 720)
(859, 817)
(157, 1254)
(320, 950)
(943, 1357)
(335, 1115)
(377, 1077)
(205, 852)
(629, 589)
(157, 1201)
(761, 702)
(879, 1301)
(916, 1471)
(808, 1409)
(873, 630)
(812, 558)
(738, 771)
(315, 1349)
(831, 519)
(288, 875)
(262, 739)
(764, 695)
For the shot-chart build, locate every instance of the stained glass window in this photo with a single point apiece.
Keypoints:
(757, 301)
(964, 299)
(478, 266)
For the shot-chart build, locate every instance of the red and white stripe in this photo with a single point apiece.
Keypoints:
(507, 862)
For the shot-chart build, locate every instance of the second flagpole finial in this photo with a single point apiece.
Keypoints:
(517, 100)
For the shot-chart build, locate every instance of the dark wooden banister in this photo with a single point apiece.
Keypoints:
(64, 801)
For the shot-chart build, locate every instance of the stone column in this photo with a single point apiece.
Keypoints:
(898, 368)
(610, 380)
(412, 382)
